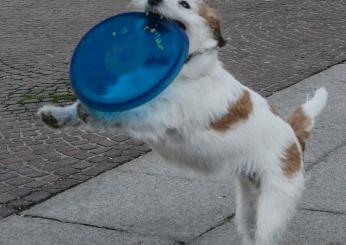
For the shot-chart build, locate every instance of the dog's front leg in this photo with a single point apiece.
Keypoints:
(60, 117)
(74, 115)
(138, 122)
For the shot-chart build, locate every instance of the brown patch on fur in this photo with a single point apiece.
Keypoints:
(210, 15)
(239, 111)
(291, 161)
(300, 123)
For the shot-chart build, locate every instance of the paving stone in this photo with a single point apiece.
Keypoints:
(10, 161)
(52, 189)
(120, 138)
(122, 147)
(134, 142)
(5, 188)
(113, 153)
(5, 211)
(25, 171)
(122, 159)
(80, 177)
(3, 170)
(19, 192)
(67, 171)
(7, 176)
(97, 159)
(80, 142)
(29, 157)
(94, 171)
(34, 184)
(17, 181)
(99, 150)
(5, 156)
(82, 165)
(87, 147)
(37, 196)
(70, 138)
(78, 154)
(19, 204)
(132, 153)
(48, 166)
(6, 197)
(15, 166)
(36, 174)
(51, 178)
(41, 151)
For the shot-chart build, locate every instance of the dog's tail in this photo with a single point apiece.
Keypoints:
(303, 118)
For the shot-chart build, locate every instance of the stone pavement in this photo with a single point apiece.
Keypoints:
(273, 44)
(147, 201)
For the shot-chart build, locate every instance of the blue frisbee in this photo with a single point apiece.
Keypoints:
(127, 60)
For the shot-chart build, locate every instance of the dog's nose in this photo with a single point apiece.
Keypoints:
(154, 2)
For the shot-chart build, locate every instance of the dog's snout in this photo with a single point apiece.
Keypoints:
(154, 2)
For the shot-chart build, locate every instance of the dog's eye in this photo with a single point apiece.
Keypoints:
(185, 4)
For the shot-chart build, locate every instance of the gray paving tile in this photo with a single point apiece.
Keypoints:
(148, 204)
(16, 230)
(326, 186)
(307, 228)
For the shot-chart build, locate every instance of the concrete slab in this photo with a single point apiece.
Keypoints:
(326, 188)
(177, 208)
(17, 230)
(307, 228)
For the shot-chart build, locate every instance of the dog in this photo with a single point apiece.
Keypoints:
(206, 120)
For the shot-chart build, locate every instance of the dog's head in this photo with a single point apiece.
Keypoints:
(200, 21)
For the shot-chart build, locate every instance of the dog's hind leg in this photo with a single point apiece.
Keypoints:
(247, 199)
(277, 202)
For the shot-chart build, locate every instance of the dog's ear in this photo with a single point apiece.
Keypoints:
(211, 17)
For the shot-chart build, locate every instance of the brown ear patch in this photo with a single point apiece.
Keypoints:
(291, 161)
(300, 123)
(210, 15)
(237, 112)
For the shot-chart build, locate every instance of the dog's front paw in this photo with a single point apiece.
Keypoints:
(54, 117)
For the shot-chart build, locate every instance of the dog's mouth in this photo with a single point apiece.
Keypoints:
(180, 24)
(156, 13)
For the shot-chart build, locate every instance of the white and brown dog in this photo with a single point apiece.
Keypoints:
(206, 120)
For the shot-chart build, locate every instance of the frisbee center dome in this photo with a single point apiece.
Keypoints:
(126, 55)
(123, 58)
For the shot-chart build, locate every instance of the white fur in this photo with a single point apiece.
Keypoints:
(315, 106)
(177, 125)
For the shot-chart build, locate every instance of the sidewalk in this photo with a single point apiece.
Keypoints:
(272, 45)
(148, 202)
